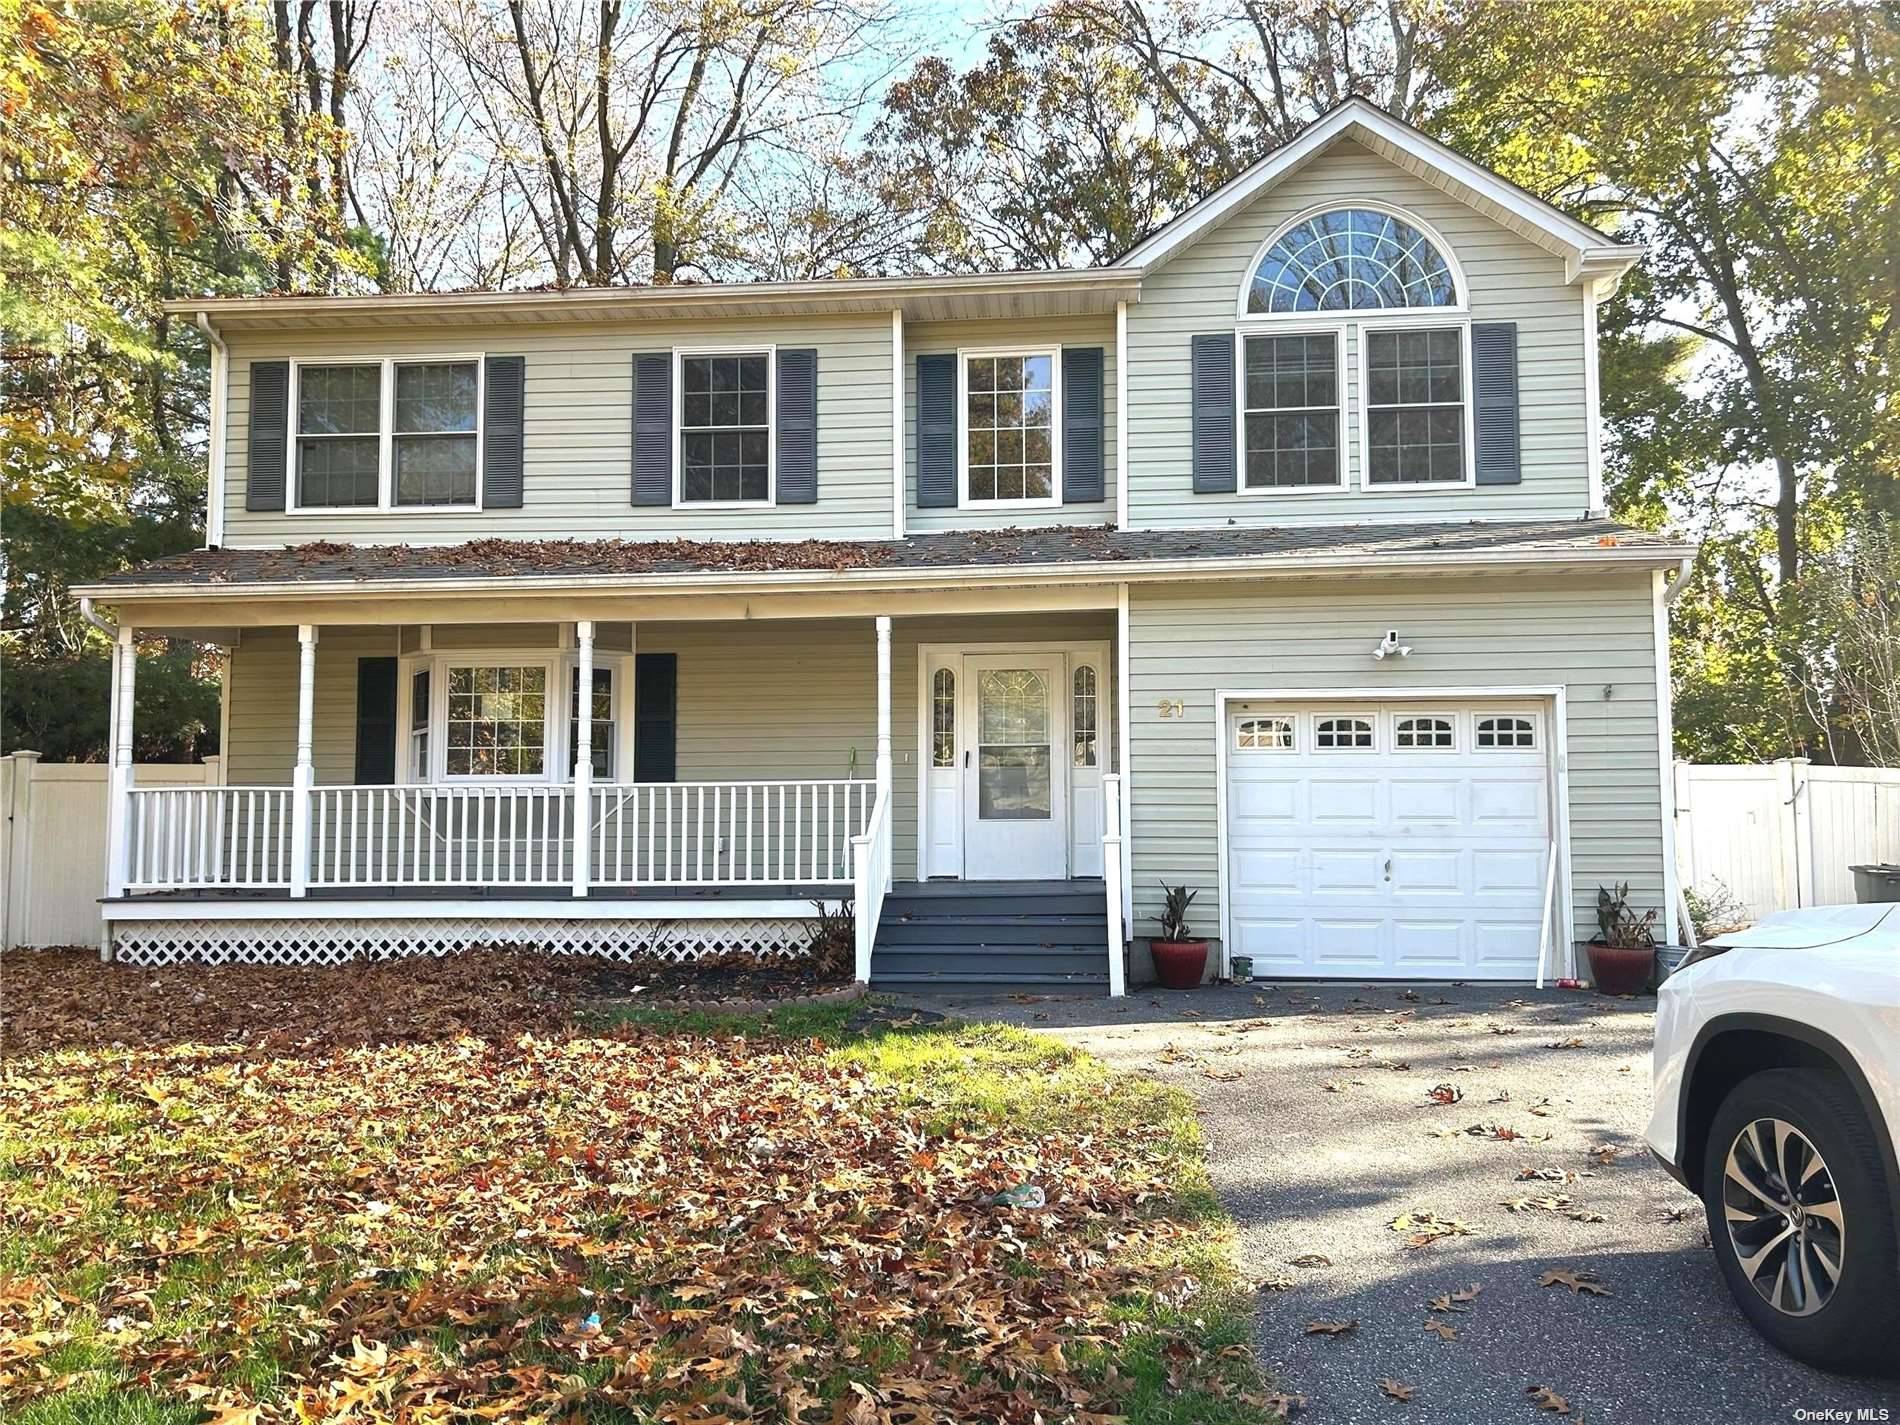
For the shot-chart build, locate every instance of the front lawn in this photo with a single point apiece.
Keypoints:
(443, 1191)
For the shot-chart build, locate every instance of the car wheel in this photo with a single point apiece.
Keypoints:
(1801, 1219)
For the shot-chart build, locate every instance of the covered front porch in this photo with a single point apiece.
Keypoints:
(422, 787)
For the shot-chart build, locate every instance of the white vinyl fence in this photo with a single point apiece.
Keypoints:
(1783, 834)
(53, 843)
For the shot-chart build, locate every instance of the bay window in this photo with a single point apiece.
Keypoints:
(496, 722)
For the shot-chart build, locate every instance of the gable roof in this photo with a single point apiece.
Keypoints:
(1587, 253)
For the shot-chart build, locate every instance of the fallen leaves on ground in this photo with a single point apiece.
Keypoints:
(1310, 1259)
(1544, 1398)
(1284, 1405)
(417, 1190)
(1451, 1301)
(1421, 1229)
(1445, 1094)
(1444, 1330)
(1558, 1203)
(1331, 1328)
(1580, 1283)
(1397, 1389)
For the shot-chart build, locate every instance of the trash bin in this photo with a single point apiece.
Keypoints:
(1875, 885)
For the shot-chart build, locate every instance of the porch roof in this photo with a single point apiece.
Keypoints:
(1066, 553)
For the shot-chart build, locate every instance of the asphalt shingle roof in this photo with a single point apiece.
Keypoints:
(1079, 545)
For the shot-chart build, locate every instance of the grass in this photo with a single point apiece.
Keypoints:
(428, 1217)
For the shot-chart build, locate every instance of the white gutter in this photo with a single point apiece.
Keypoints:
(104, 625)
(1680, 582)
(215, 436)
(1106, 571)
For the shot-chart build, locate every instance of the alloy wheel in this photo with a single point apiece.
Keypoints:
(1783, 1216)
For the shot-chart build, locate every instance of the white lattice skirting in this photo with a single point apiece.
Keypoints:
(333, 942)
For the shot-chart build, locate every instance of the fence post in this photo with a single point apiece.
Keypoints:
(119, 813)
(19, 848)
(1801, 824)
(1787, 864)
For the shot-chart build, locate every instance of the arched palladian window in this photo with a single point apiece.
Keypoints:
(1351, 260)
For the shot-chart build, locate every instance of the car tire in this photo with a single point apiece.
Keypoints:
(1851, 1324)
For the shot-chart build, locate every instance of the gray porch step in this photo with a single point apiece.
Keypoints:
(985, 934)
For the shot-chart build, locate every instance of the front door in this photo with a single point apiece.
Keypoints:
(1015, 783)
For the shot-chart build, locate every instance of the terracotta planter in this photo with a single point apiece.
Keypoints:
(1620, 972)
(1179, 964)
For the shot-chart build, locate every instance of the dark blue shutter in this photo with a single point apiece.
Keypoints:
(1212, 396)
(1494, 389)
(270, 435)
(375, 722)
(653, 428)
(797, 427)
(1082, 439)
(655, 717)
(502, 382)
(936, 432)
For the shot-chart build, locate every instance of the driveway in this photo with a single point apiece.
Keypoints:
(1323, 1130)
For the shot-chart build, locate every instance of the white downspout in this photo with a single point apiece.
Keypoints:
(214, 471)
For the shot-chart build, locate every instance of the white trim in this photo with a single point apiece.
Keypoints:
(1592, 401)
(1391, 210)
(965, 354)
(1462, 325)
(386, 434)
(1124, 752)
(1665, 756)
(1094, 651)
(1583, 247)
(1556, 760)
(594, 907)
(1121, 425)
(898, 499)
(217, 435)
(1242, 335)
(769, 350)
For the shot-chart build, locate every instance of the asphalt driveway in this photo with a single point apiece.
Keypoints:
(1327, 1122)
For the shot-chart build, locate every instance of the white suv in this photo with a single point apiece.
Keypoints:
(1777, 1083)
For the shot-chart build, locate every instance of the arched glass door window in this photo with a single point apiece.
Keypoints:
(1351, 260)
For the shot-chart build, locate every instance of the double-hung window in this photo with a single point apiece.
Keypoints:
(1011, 434)
(1291, 401)
(725, 428)
(388, 434)
(1415, 406)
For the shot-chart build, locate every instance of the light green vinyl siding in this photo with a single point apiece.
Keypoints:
(792, 699)
(578, 441)
(1510, 279)
(1596, 639)
(929, 338)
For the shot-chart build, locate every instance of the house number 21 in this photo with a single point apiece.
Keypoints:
(1171, 707)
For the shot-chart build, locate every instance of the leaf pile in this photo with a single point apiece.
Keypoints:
(416, 1191)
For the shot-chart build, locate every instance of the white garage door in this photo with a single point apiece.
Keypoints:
(1388, 839)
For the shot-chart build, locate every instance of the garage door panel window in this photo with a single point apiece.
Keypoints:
(1418, 733)
(1264, 734)
(1335, 734)
(1506, 732)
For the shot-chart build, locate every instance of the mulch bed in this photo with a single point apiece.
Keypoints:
(710, 981)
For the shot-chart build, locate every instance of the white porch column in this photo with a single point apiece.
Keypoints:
(125, 664)
(583, 747)
(884, 704)
(305, 774)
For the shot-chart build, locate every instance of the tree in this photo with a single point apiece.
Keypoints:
(138, 161)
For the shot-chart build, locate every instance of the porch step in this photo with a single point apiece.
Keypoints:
(986, 934)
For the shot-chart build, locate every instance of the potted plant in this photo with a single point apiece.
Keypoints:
(1623, 951)
(1179, 962)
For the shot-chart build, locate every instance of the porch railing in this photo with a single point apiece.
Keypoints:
(871, 879)
(441, 835)
(185, 838)
(712, 834)
(726, 833)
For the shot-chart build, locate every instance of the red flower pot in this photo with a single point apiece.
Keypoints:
(1179, 964)
(1620, 972)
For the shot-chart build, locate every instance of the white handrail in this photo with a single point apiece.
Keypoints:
(726, 833)
(186, 838)
(870, 879)
(1113, 874)
(447, 834)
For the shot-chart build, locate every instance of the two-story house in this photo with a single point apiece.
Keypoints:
(1271, 560)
